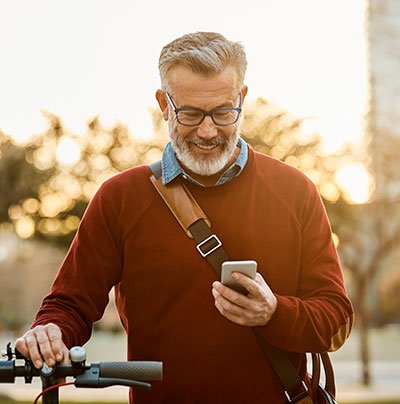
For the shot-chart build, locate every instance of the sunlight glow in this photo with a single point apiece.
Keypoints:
(335, 132)
(53, 204)
(335, 239)
(31, 205)
(15, 212)
(110, 69)
(355, 182)
(43, 157)
(330, 191)
(23, 125)
(25, 227)
(68, 151)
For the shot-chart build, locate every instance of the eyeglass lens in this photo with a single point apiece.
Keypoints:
(220, 117)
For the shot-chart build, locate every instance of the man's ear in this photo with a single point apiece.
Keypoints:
(162, 103)
(244, 92)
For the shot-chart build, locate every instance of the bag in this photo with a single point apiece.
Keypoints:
(324, 397)
(322, 394)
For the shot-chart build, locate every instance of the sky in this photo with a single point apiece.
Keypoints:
(79, 59)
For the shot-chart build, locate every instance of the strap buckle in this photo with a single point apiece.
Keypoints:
(213, 248)
(298, 397)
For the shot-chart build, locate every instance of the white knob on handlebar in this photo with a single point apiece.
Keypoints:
(77, 354)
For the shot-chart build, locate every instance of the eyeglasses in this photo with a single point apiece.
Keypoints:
(195, 116)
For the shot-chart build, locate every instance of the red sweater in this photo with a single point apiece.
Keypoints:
(129, 239)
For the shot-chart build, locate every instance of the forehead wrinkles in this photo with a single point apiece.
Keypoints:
(205, 99)
(191, 89)
(229, 74)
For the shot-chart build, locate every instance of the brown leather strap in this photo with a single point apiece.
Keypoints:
(296, 390)
(181, 203)
(329, 374)
(305, 400)
(316, 372)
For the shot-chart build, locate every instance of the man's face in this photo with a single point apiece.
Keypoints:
(205, 149)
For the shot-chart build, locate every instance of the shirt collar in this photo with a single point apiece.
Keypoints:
(171, 168)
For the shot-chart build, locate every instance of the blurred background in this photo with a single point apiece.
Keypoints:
(77, 85)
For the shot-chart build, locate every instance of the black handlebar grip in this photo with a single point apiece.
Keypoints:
(7, 371)
(132, 370)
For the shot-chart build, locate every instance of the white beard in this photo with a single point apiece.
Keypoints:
(204, 165)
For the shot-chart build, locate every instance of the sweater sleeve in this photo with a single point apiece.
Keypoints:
(320, 317)
(92, 266)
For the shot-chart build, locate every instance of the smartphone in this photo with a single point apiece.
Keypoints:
(249, 268)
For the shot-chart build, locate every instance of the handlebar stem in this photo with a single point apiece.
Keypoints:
(51, 397)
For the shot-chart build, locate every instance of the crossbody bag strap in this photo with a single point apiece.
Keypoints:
(191, 218)
(329, 374)
(196, 225)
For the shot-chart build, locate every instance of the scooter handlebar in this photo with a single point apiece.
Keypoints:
(132, 370)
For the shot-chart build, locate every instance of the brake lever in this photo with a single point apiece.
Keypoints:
(11, 354)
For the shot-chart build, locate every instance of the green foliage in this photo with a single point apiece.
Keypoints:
(273, 131)
(19, 180)
(47, 194)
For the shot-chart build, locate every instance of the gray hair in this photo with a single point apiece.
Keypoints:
(206, 53)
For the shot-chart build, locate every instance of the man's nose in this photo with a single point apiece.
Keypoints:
(207, 128)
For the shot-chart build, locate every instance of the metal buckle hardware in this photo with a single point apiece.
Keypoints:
(204, 254)
(299, 396)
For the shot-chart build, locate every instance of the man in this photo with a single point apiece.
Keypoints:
(171, 304)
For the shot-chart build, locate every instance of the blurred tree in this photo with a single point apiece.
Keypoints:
(389, 297)
(368, 233)
(50, 181)
(274, 131)
(369, 238)
(18, 176)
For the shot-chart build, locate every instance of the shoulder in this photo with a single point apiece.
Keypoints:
(288, 189)
(288, 186)
(131, 184)
(122, 199)
(137, 176)
(281, 175)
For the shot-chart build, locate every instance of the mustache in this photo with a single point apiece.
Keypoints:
(216, 141)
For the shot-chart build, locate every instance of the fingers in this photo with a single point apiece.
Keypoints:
(65, 359)
(55, 339)
(255, 309)
(255, 286)
(43, 343)
(235, 312)
(232, 295)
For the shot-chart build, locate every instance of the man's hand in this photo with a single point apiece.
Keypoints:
(255, 309)
(43, 343)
